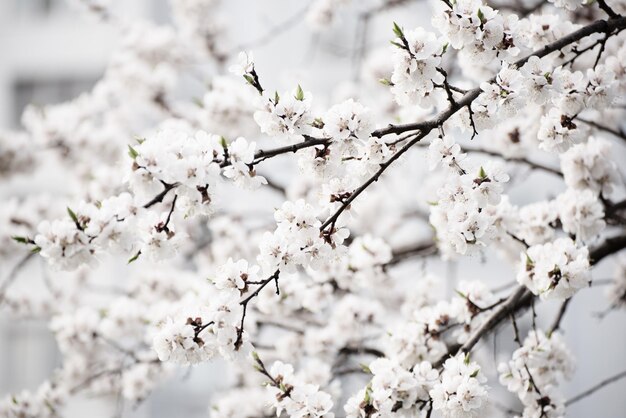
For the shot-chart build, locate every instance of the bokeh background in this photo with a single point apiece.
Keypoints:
(50, 52)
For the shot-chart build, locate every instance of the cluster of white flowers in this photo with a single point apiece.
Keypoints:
(227, 108)
(241, 170)
(322, 13)
(197, 335)
(463, 215)
(236, 275)
(416, 58)
(393, 391)
(590, 166)
(297, 240)
(295, 397)
(461, 391)
(479, 31)
(555, 270)
(534, 372)
(286, 116)
(424, 337)
(176, 158)
(537, 222)
(46, 402)
(581, 213)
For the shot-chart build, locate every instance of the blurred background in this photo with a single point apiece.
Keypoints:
(51, 52)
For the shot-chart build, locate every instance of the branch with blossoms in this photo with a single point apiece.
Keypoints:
(359, 314)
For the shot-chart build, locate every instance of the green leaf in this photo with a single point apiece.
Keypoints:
(276, 97)
(72, 215)
(198, 102)
(35, 249)
(467, 359)
(135, 257)
(482, 174)
(385, 82)
(445, 48)
(21, 240)
(463, 295)
(249, 79)
(132, 152)
(481, 16)
(365, 368)
(224, 142)
(475, 373)
(397, 44)
(398, 30)
(299, 93)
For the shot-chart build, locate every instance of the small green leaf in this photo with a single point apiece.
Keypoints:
(132, 153)
(365, 368)
(198, 102)
(299, 93)
(481, 16)
(72, 215)
(463, 295)
(35, 249)
(467, 359)
(482, 174)
(445, 48)
(21, 240)
(276, 97)
(475, 373)
(398, 30)
(385, 82)
(135, 257)
(397, 44)
(224, 142)
(249, 79)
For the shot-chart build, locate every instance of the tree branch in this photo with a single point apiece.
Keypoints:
(595, 388)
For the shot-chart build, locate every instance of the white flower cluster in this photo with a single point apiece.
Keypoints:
(286, 116)
(581, 213)
(115, 224)
(479, 31)
(534, 372)
(424, 336)
(176, 158)
(241, 156)
(236, 275)
(296, 397)
(297, 240)
(416, 57)
(463, 216)
(393, 391)
(197, 335)
(46, 402)
(590, 166)
(461, 391)
(322, 13)
(555, 270)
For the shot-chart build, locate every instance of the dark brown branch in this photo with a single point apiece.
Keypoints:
(607, 9)
(244, 304)
(618, 133)
(595, 388)
(531, 164)
(522, 297)
(426, 127)
(422, 249)
(556, 324)
(13, 274)
(159, 198)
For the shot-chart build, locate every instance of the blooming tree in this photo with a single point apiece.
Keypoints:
(257, 226)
